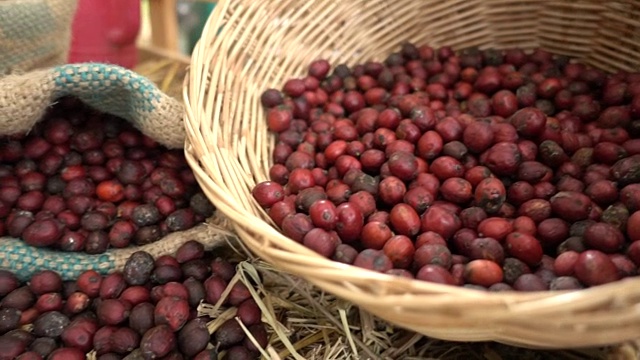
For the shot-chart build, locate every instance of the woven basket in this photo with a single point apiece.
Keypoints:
(250, 45)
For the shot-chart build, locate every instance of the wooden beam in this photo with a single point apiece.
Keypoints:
(164, 24)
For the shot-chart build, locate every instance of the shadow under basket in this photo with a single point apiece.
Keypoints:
(249, 45)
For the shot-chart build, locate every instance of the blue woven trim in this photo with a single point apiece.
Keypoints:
(109, 88)
(25, 260)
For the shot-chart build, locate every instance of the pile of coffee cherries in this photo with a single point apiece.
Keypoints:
(146, 311)
(493, 169)
(85, 181)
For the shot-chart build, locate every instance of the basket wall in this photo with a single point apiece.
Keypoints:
(250, 45)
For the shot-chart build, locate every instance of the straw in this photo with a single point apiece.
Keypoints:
(167, 73)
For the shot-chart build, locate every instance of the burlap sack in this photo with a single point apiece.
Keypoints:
(110, 89)
(34, 33)
(35, 36)
(34, 42)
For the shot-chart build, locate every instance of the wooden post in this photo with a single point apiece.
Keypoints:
(164, 24)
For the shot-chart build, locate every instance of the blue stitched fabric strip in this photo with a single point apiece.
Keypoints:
(25, 260)
(112, 89)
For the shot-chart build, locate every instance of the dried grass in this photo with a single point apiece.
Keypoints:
(167, 74)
